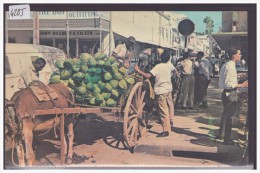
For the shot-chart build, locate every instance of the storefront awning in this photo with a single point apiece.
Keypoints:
(142, 40)
(224, 39)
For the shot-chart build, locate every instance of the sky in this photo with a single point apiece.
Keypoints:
(198, 16)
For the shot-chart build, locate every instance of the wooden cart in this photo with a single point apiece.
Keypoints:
(135, 121)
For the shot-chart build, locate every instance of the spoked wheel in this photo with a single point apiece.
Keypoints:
(134, 118)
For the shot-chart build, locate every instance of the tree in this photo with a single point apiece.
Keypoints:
(200, 33)
(209, 25)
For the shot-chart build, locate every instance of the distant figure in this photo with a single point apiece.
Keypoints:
(174, 59)
(213, 60)
(243, 63)
(200, 55)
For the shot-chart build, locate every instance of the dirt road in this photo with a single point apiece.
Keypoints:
(191, 143)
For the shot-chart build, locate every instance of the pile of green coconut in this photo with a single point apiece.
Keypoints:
(94, 80)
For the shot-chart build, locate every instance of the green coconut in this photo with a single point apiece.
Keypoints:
(110, 102)
(123, 85)
(59, 63)
(55, 78)
(107, 76)
(114, 83)
(65, 74)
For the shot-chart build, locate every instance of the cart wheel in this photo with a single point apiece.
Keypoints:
(134, 118)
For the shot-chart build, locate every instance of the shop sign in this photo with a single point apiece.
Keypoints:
(71, 14)
(72, 34)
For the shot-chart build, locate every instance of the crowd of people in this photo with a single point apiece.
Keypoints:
(195, 76)
(189, 76)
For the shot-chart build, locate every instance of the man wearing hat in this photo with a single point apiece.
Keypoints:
(123, 52)
(31, 72)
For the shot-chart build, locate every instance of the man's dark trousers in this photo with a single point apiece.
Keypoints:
(196, 85)
(203, 84)
(229, 100)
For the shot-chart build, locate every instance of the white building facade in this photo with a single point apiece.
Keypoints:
(92, 31)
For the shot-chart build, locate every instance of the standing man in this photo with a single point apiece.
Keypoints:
(123, 52)
(31, 72)
(228, 82)
(162, 88)
(243, 62)
(174, 58)
(200, 54)
(213, 60)
(205, 70)
(187, 82)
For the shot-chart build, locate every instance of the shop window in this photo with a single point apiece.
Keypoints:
(7, 66)
(166, 31)
(11, 40)
(163, 33)
(30, 41)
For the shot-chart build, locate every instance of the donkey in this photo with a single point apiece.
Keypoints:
(24, 103)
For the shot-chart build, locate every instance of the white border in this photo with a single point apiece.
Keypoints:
(124, 1)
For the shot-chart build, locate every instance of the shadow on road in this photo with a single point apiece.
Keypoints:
(227, 154)
(92, 128)
(187, 132)
(217, 157)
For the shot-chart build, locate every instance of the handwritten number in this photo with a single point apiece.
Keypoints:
(22, 11)
(17, 12)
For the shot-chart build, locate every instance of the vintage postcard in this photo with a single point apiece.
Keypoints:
(129, 86)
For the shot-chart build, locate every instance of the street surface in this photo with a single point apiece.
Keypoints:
(191, 143)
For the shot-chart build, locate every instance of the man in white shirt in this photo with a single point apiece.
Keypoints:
(228, 82)
(31, 72)
(205, 70)
(162, 88)
(187, 82)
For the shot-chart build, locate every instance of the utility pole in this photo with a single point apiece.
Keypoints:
(36, 32)
(68, 33)
(6, 27)
(210, 47)
(110, 33)
(100, 35)
(160, 29)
